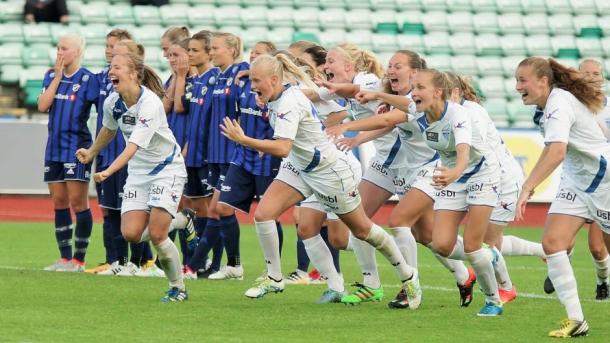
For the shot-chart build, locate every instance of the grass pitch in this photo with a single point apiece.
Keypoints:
(38, 306)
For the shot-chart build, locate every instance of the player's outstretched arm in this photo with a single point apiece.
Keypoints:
(276, 147)
(376, 122)
(85, 156)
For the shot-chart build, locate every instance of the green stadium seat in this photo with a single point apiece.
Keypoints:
(411, 42)
(509, 65)
(95, 33)
(11, 11)
(146, 15)
(281, 36)
(253, 3)
(384, 42)
(510, 6)
(488, 45)
(387, 28)
(479, 6)
(462, 44)
(498, 111)
(358, 19)
(409, 28)
(441, 61)
(37, 55)
(201, 15)
(11, 33)
(174, 15)
(303, 4)
(511, 23)
(590, 47)
(587, 25)
(411, 22)
(538, 45)
(536, 24)
(558, 6)
(254, 17)
(32, 74)
(32, 91)
(153, 57)
(486, 22)
(10, 53)
(564, 47)
(460, 22)
(437, 43)
(147, 35)
(280, 17)
(561, 24)
(513, 44)
(337, 22)
(331, 38)
(308, 36)
(492, 86)
(306, 18)
(435, 21)
(37, 33)
(433, 5)
(58, 30)
(533, 6)
(489, 66)
(383, 16)
(228, 16)
(358, 4)
(361, 38)
(94, 57)
(93, 13)
(603, 7)
(223, 3)
(604, 24)
(464, 65)
(9, 73)
(253, 35)
(584, 6)
(520, 116)
(591, 32)
(120, 14)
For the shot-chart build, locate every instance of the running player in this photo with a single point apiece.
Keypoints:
(68, 93)
(566, 102)
(155, 166)
(324, 170)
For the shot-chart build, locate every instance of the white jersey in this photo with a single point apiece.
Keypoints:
(458, 126)
(294, 117)
(567, 120)
(603, 119)
(145, 125)
(324, 107)
(414, 148)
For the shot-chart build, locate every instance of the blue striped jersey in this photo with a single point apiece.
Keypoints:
(69, 113)
(224, 104)
(200, 108)
(255, 123)
(178, 122)
(110, 152)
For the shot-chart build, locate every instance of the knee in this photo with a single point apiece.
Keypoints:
(551, 245)
(471, 246)
(261, 215)
(360, 233)
(338, 243)
(395, 221)
(443, 249)
(307, 231)
(131, 236)
(598, 252)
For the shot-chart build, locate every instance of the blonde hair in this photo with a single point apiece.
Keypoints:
(439, 81)
(175, 34)
(463, 84)
(268, 45)
(133, 47)
(205, 37)
(282, 66)
(120, 34)
(233, 42)
(306, 67)
(362, 59)
(80, 43)
(146, 75)
(301, 45)
(568, 79)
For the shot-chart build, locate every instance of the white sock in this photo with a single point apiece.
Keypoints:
(515, 246)
(384, 243)
(350, 242)
(501, 271)
(169, 257)
(365, 256)
(458, 250)
(406, 244)
(456, 267)
(601, 267)
(179, 222)
(562, 276)
(269, 240)
(481, 262)
(320, 257)
(146, 235)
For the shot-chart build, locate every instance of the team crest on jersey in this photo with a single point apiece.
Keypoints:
(432, 136)
(75, 87)
(85, 78)
(52, 74)
(229, 82)
(241, 83)
(204, 90)
(212, 80)
(446, 131)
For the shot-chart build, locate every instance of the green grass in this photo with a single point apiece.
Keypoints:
(37, 306)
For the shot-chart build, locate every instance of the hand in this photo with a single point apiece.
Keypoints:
(365, 96)
(58, 68)
(332, 88)
(346, 144)
(232, 130)
(310, 94)
(242, 73)
(336, 131)
(101, 176)
(524, 196)
(84, 156)
(182, 67)
(442, 177)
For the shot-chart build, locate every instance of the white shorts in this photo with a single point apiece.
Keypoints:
(313, 203)
(479, 190)
(143, 192)
(335, 187)
(506, 210)
(384, 177)
(590, 206)
(420, 178)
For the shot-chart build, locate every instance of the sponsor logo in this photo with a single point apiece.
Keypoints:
(144, 122)
(218, 91)
(329, 199)
(432, 136)
(291, 168)
(422, 173)
(204, 90)
(379, 167)
(605, 215)
(353, 193)
(227, 91)
(70, 167)
(445, 194)
(130, 194)
(224, 188)
(156, 190)
(505, 205)
(475, 187)
(85, 78)
(399, 182)
(129, 120)
(65, 97)
(253, 112)
(229, 82)
(569, 196)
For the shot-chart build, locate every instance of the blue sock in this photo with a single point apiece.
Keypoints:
(172, 235)
(217, 250)
(82, 233)
(230, 231)
(184, 246)
(147, 254)
(302, 257)
(280, 235)
(334, 252)
(210, 236)
(200, 223)
(118, 241)
(63, 232)
(137, 249)
(108, 240)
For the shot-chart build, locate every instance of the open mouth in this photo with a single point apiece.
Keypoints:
(115, 81)
(523, 96)
(329, 76)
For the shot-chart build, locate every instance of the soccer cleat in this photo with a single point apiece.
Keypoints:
(331, 296)
(601, 292)
(490, 310)
(188, 274)
(59, 265)
(507, 296)
(363, 294)
(150, 269)
(100, 268)
(175, 294)
(266, 286)
(570, 328)
(400, 301)
(548, 286)
(297, 277)
(74, 266)
(262, 277)
(191, 235)
(114, 269)
(466, 288)
(129, 269)
(228, 273)
(413, 290)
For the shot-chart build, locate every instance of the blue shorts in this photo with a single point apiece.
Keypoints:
(111, 195)
(61, 172)
(241, 187)
(197, 183)
(217, 173)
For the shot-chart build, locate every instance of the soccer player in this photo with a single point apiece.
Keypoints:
(68, 93)
(566, 105)
(110, 192)
(324, 170)
(156, 171)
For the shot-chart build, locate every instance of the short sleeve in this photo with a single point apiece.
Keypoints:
(109, 121)
(93, 88)
(461, 125)
(368, 82)
(558, 120)
(147, 124)
(46, 81)
(286, 121)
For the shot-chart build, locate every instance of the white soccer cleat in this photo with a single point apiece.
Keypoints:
(114, 269)
(266, 286)
(73, 267)
(413, 290)
(298, 277)
(60, 265)
(129, 269)
(150, 271)
(228, 273)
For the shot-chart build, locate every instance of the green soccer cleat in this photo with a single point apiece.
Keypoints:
(363, 294)
(263, 287)
(570, 328)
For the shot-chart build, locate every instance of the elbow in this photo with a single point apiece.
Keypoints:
(284, 152)
(42, 107)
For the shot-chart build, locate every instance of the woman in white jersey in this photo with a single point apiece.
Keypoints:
(155, 166)
(324, 170)
(566, 102)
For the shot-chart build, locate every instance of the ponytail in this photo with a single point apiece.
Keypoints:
(133, 47)
(463, 84)
(146, 75)
(282, 66)
(233, 42)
